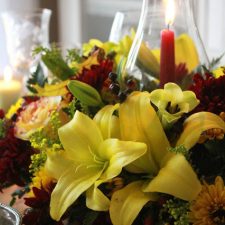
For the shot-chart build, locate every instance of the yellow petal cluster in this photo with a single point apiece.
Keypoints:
(95, 151)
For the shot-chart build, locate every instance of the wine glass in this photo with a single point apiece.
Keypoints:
(123, 23)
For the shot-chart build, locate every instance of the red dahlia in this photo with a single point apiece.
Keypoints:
(39, 213)
(97, 75)
(211, 93)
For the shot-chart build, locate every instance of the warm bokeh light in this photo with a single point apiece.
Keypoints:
(170, 12)
(8, 74)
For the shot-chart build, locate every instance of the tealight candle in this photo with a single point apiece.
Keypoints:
(10, 90)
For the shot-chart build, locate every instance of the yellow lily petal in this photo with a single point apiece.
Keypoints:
(90, 61)
(87, 47)
(108, 123)
(115, 127)
(107, 46)
(13, 108)
(80, 138)
(57, 163)
(128, 202)
(52, 89)
(185, 52)
(148, 60)
(219, 72)
(177, 178)
(70, 186)
(96, 200)
(195, 125)
(139, 122)
(172, 102)
(119, 154)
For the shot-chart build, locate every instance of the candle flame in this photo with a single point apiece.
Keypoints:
(8, 74)
(170, 12)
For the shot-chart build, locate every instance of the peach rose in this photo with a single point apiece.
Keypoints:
(35, 116)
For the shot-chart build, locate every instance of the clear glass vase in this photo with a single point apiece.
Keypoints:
(25, 30)
(167, 45)
(9, 216)
(122, 24)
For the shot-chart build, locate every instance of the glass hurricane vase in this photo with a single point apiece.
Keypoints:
(25, 30)
(151, 54)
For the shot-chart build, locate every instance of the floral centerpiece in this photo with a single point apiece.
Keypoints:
(94, 145)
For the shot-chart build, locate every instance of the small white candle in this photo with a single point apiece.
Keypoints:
(10, 90)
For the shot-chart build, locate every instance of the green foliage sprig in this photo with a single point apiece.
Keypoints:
(54, 61)
(178, 210)
(37, 78)
(2, 129)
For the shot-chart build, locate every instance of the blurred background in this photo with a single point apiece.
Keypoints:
(76, 21)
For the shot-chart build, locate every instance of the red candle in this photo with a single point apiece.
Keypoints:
(167, 58)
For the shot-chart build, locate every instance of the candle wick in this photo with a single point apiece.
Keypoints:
(168, 26)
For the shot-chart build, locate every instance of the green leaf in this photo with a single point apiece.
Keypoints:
(37, 78)
(2, 129)
(58, 66)
(54, 61)
(74, 55)
(121, 70)
(85, 93)
(216, 61)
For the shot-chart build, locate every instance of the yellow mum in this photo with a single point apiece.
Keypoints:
(209, 207)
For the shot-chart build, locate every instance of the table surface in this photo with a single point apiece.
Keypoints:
(5, 198)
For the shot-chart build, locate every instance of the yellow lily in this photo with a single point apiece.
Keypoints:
(107, 46)
(196, 124)
(172, 103)
(218, 72)
(48, 90)
(90, 61)
(88, 160)
(172, 174)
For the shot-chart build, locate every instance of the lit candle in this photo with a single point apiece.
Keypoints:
(167, 55)
(10, 90)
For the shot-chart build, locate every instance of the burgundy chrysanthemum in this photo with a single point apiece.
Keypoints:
(2, 114)
(181, 72)
(211, 93)
(97, 75)
(39, 214)
(14, 159)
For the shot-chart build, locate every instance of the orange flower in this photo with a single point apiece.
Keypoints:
(209, 206)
